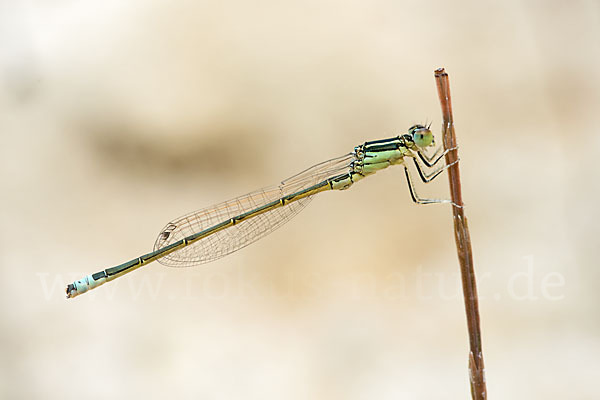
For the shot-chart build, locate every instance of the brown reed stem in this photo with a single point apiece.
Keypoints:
(463, 242)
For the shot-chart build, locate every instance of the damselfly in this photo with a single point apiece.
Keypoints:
(214, 232)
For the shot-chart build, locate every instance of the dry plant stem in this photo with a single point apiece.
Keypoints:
(463, 242)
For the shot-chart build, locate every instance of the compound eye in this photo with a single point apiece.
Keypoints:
(422, 137)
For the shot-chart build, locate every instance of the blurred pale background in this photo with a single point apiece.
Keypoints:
(119, 116)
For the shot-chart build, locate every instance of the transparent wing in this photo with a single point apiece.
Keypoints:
(247, 231)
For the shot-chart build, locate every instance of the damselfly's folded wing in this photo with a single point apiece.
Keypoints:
(247, 231)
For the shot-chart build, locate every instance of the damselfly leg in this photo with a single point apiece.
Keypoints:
(426, 179)
(430, 161)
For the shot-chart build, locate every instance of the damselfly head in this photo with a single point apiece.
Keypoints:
(421, 135)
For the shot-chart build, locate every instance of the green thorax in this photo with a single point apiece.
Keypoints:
(379, 154)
